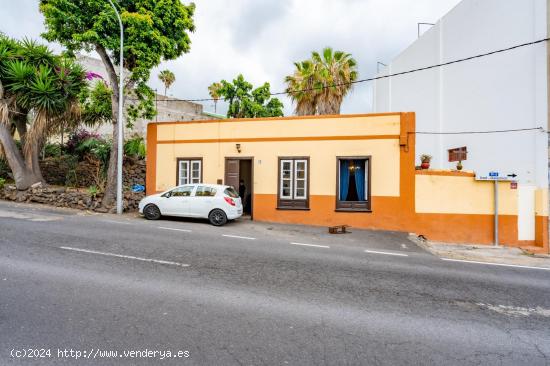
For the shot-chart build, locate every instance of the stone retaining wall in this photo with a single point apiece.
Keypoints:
(66, 197)
(63, 171)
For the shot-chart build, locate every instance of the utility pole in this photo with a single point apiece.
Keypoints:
(120, 116)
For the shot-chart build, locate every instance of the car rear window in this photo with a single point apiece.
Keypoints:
(231, 192)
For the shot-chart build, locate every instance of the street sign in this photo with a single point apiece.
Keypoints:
(497, 176)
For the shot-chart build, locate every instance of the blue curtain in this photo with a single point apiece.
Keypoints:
(344, 179)
(360, 179)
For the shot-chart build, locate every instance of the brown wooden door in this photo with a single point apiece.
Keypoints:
(232, 173)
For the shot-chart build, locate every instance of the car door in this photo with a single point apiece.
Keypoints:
(176, 202)
(202, 201)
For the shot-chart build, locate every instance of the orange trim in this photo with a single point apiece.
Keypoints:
(268, 119)
(388, 213)
(268, 139)
(449, 173)
(541, 233)
(151, 169)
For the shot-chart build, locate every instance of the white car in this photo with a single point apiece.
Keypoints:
(217, 203)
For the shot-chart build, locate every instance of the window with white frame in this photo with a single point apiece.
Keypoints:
(293, 183)
(189, 171)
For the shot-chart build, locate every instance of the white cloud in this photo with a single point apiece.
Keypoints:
(261, 39)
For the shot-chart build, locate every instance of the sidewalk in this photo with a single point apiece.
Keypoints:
(484, 253)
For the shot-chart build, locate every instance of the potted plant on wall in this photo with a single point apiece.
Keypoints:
(425, 160)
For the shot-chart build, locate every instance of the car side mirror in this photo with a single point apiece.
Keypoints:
(167, 195)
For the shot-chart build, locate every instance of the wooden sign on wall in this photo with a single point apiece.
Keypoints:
(458, 154)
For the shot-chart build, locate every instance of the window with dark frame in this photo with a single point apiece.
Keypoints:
(189, 171)
(353, 184)
(293, 190)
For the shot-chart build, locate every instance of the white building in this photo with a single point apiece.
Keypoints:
(504, 91)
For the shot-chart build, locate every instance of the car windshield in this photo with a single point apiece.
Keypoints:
(231, 192)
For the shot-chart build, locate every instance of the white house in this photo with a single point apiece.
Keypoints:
(505, 91)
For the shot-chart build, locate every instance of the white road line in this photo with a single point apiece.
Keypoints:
(126, 256)
(386, 253)
(239, 237)
(173, 229)
(117, 222)
(494, 264)
(312, 245)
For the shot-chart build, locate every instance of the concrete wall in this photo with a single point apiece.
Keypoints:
(168, 108)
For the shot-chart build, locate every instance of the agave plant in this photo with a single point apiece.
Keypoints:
(39, 94)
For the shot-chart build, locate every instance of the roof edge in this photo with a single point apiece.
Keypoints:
(288, 118)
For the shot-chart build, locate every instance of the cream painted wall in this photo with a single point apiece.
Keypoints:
(526, 212)
(385, 162)
(541, 202)
(345, 126)
(463, 195)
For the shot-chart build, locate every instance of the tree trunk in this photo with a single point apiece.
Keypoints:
(21, 125)
(23, 176)
(110, 188)
(32, 160)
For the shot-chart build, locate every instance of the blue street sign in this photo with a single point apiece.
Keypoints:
(493, 174)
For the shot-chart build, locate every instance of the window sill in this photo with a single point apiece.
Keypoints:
(293, 208)
(352, 210)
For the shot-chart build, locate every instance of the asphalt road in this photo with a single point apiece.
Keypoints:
(78, 286)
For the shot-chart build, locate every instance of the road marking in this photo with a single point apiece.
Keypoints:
(386, 253)
(173, 229)
(312, 245)
(126, 256)
(239, 237)
(494, 264)
(117, 222)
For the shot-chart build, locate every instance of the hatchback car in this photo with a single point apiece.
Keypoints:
(217, 203)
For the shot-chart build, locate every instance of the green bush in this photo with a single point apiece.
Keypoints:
(135, 147)
(53, 150)
(2, 183)
(99, 148)
(93, 191)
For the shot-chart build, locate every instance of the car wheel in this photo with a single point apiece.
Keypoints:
(151, 212)
(217, 217)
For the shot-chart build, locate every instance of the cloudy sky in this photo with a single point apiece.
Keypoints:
(262, 38)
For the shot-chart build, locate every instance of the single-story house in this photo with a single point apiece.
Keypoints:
(356, 170)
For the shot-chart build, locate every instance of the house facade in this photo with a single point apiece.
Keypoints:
(503, 91)
(356, 170)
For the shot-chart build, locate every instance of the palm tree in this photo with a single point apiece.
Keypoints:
(38, 94)
(335, 73)
(319, 85)
(168, 78)
(300, 88)
(214, 91)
